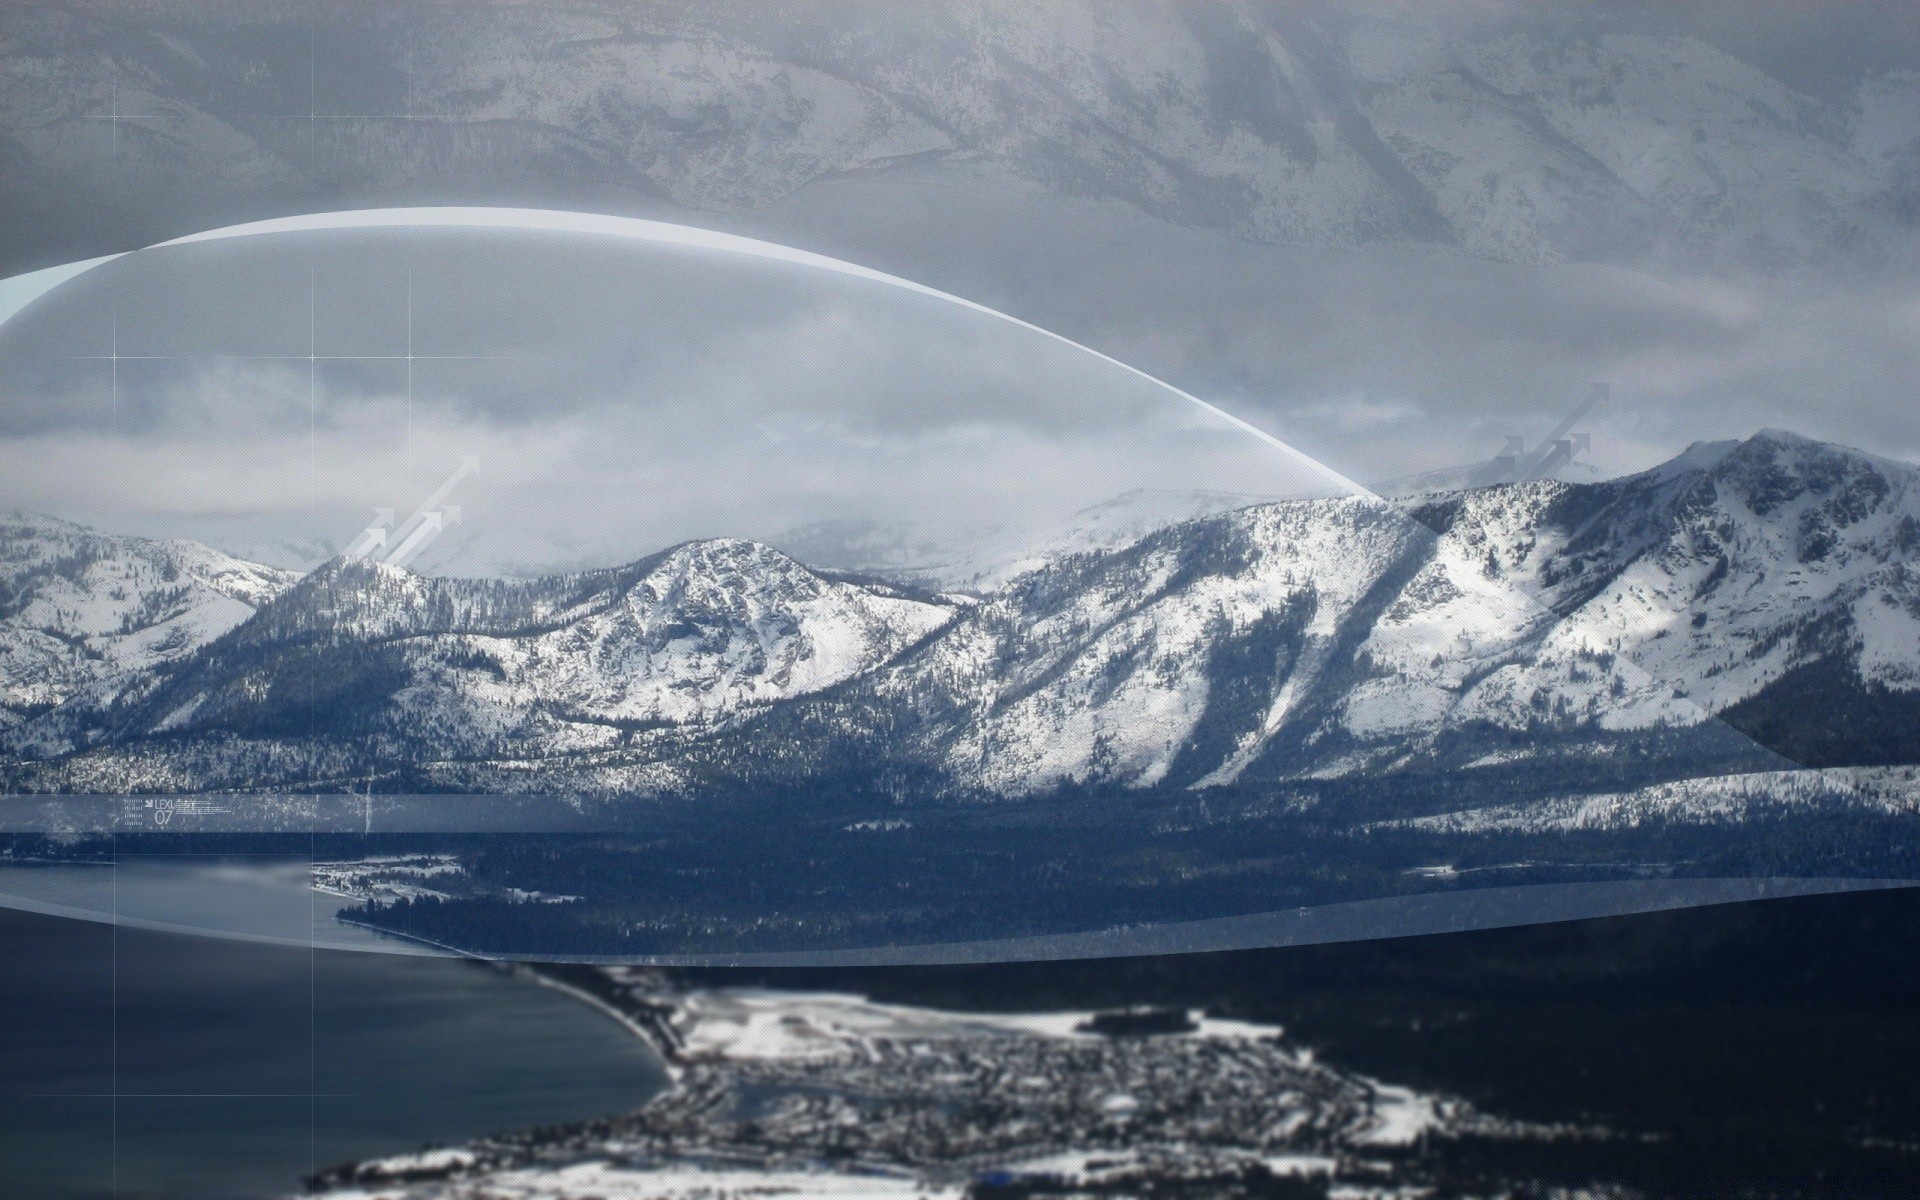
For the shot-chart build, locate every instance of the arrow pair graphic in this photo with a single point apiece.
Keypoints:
(426, 523)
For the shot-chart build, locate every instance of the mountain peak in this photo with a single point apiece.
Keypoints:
(19, 520)
(358, 564)
(724, 558)
(727, 548)
(1772, 450)
(1783, 437)
(353, 573)
(1699, 456)
(1772, 446)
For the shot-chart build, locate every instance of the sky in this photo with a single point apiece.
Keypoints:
(621, 399)
(269, 394)
(1388, 361)
(624, 398)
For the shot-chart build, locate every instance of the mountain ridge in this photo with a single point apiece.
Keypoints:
(82, 611)
(1519, 136)
(1578, 626)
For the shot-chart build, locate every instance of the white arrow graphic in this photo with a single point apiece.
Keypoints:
(429, 528)
(431, 505)
(373, 536)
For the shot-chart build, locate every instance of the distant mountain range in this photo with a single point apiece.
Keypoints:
(1512, 132)
(1746, 607)
(982, 559)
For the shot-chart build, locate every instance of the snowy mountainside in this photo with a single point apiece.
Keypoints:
(1644, 603)
(430, 667)
(1478, 474)
(1707, 800)
(82, 612)
(1705, 584)
(1128, 665)
(1745, 607)
(1537, 621)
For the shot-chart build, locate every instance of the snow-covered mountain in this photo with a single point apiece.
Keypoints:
(1518, 133)
(977, 560)
(1709, 586)
(364, 658)
(1744, 607)
(84, 613)
(1669, 614)
(1340, 638)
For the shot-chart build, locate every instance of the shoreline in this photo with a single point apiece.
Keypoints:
(652, 1037)
(411, 938)
(541, 974)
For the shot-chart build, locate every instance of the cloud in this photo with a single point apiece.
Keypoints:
(1290, 337)
(620, 398)
(623, 398)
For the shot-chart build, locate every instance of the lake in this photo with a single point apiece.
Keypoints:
(151, 1065)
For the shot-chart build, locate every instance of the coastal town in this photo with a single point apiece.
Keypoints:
(793, 1093)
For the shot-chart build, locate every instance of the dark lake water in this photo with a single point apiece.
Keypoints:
(149, 1065)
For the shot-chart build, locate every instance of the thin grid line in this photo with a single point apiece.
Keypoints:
(451, 118)
(313, 1054)
(113, 416)
(113, 842)
(410, 359)
(183, 1095)
(313, 365)
(313, 1076)
(313, 1019)
(305, 357)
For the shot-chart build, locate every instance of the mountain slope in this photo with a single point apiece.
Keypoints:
(83, 613)
(1657, 599)
(1533, 635)
(1582, 623)
(1124, 666)
(361, 662)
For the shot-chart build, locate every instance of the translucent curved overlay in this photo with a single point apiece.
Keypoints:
(21, 290)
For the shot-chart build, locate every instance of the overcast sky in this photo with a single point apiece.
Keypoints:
(620, 398)
(623, 398)
(1387, 361)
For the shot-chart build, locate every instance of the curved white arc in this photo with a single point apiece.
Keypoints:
(21, 290)
(537, 220)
